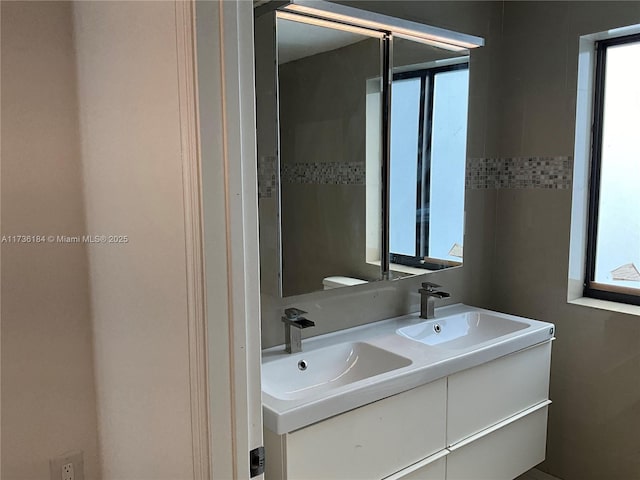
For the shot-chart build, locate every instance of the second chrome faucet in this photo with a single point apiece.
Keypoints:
(428, 295)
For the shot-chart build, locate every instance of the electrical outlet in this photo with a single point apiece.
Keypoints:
(67, 472)
(69, 466)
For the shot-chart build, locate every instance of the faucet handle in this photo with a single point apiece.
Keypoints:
(302, 323)
(293, 313)
(430, 287)
(293, 318)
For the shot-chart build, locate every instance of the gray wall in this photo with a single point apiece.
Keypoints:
(595, 419)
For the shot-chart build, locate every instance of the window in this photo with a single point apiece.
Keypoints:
(428, 152)
(613, 237)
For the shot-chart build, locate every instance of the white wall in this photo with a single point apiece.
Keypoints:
(48, 395)
(128, 92)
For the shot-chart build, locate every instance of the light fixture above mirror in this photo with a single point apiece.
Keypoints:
(414, 31)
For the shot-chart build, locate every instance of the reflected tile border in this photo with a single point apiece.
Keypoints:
(324, 173)
(520, 172)
(267, 177)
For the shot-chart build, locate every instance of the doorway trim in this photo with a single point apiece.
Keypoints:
(216, 97)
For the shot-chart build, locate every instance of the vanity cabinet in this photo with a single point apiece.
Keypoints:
(487, 422)
(370, 442)
(431, 468)
(494, 391)
(503, 451)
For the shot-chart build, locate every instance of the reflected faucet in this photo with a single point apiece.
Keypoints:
(428, 295)
(294, 322)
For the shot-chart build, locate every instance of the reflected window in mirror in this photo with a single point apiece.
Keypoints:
(428, 155)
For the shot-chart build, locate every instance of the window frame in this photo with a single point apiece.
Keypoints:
(423, 164)
(591, 288)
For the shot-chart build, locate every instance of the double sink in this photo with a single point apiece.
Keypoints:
(347, 369)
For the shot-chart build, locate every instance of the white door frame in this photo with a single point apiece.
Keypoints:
(216, 77)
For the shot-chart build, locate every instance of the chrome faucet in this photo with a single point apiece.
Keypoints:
(294, 322)
(428, 295)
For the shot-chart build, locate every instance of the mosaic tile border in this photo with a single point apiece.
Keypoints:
(324, 173)
(267, 177)
(519, 173)
(481, 173)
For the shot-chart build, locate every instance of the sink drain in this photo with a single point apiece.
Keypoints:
(302, 365)
(437, 328)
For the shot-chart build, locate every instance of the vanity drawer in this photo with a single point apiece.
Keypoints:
(485, 395)
(373, 441)
(431, 468)
(504, 451)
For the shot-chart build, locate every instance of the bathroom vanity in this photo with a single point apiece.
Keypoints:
(462, 396)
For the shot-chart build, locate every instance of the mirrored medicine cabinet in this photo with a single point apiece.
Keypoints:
(361, 128)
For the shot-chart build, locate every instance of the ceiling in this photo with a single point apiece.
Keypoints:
(298, 40)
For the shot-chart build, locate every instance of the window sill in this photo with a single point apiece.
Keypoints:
(398, 268)
(607, 305)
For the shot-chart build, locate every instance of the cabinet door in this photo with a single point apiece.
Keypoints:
(485, 395)
(431, 468)
(433, 471)
(373, 441)
(504, 453)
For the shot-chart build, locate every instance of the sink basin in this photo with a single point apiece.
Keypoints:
(305, 375)
(461, 331)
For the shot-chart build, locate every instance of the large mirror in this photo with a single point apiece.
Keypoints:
(327, 155)
(368, 179)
